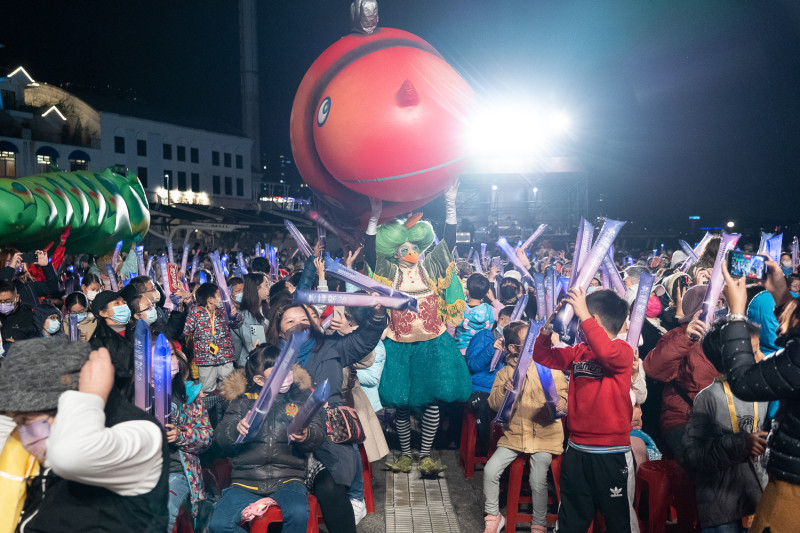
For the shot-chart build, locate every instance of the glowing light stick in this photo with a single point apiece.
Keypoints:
(115, 255)
(535, 235)
(272, 386)
(112, 278)
(142, 366)
(550, 290)
(302, 243)
(639, 309)
(274, 271)
(224, 260)
(162, 263)
(140, 261)
(162, 374)
(242, 265)
(309, 409)
(700, 245)
(184, 259)
(515, 315)
(170, 255)
(716, 281)
(74, 334)
(590, 265)
(351, 299)
(512, 257)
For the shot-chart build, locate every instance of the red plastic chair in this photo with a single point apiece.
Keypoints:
(653, 478)
(366, 476)
(469, 438)
(184, 522)
(274, 516)
(217, 477)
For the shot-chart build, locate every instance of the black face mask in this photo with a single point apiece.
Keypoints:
(508, 292)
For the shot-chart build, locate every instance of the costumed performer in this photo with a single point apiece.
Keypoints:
(423, 364)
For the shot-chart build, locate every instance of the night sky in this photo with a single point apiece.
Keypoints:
(680, 107)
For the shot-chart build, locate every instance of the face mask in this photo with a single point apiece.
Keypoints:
(174, 367)
(81, 317)
(786, 264)
(33, 438)
(238, 298)
(51, 326)
(150, 316)
(287, 383)
(500, 330)
(6, 308)
(91, 295)
(122, 314)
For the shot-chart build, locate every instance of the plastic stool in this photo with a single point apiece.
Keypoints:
(469, 437)
(655, 476)
(683, 498)
(274, 516)
(184, 522)
(366, 476)
(217, 477)
(515, 474)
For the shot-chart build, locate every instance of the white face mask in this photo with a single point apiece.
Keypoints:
(91, 295)
(51, 326)
(786, 264)
(150, 316)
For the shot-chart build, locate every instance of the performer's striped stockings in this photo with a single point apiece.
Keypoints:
(430, 424)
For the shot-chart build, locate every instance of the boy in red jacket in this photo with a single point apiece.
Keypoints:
(594, 469)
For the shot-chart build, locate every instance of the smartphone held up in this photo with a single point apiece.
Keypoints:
(750, 266)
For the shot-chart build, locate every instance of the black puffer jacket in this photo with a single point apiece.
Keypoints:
(777, 378)
(121, 350)
(264, 463)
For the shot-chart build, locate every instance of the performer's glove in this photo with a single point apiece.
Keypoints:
(377, 206)
(450, 203)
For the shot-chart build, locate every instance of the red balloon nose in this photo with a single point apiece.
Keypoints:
(407, 95)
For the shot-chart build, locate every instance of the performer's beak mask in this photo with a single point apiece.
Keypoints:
(408, 253)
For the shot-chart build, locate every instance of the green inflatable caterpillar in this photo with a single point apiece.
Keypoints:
(102, 208)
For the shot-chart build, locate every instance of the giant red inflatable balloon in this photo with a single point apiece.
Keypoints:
(380, 115)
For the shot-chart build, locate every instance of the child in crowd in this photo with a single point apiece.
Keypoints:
(594, 470)
(207, 324)
(480, 352)
(478, 315)
(271, 464)
(722, 439)
(188, 435)
(531, 430)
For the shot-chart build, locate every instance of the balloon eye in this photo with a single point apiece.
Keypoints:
(324, 109)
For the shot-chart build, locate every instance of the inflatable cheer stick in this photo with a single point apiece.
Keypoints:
(272, 386)
(162, 378)
(639, 309)
(302, 243)
(515, 315)
(309, 409)
(142, 366)
(716, 281)
(697, 249)
(350, 299)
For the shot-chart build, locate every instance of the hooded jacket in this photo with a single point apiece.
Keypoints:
(263, 464)
(121, 349)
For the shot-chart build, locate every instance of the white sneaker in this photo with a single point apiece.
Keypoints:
(359, 509)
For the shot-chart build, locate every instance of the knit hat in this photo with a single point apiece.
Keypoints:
(102, 300)
(692, 302)
(36, 371)
(678, 257)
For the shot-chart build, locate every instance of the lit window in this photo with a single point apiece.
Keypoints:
(78, 164)
(8, 165)
(43, 163)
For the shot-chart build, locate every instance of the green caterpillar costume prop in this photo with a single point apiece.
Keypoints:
(102, 208)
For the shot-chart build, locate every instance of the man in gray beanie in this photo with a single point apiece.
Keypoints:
(96, 451)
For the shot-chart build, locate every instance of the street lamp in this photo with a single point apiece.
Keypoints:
(168, 185)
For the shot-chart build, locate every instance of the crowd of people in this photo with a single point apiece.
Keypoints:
(76, 454)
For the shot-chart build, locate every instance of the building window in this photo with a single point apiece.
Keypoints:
(215, 158)
(9, 99)
(195, 182)
(215, 184)
(167, 151)
(181, 181)
(194, 155)
(228, 186)
(8, 165)
(141, 147)
(239, 187)
(78, 164)
(119, 145)
(43, 163)
(168, 179)
(239, 161)
(143, 176)
(228, 160)
(181, 153)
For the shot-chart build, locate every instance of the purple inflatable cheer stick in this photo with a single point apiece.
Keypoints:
(716, 281)
(763, 246)
(774, 246)
(515, 315)
(535, 235)
(140, 260)
(162, 263)
(351, 299)
(583, 243)
(697, 249)
(162, 374)
(112, 278)
(242, 265)
(195, 264)
(610, 271)
(688, 250)
(309, 409)
(272, 386)
(302, 243)
(222, 283)
(115, 255)
(550, 290)
(484, 263)
(170, 255)
(184, 259)
(541, 299)
(149, 268)
(359, 280)
(274, 269)
(142, 366)
(74, 335)
(639, 309)
(512, 256)
(795, 253)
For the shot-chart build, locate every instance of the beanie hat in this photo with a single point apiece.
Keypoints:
(692, 302)
(678, 257)
(36, 371)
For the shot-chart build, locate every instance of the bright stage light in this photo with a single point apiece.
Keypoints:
(515, 130)
(494, 187)
(730, 224)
